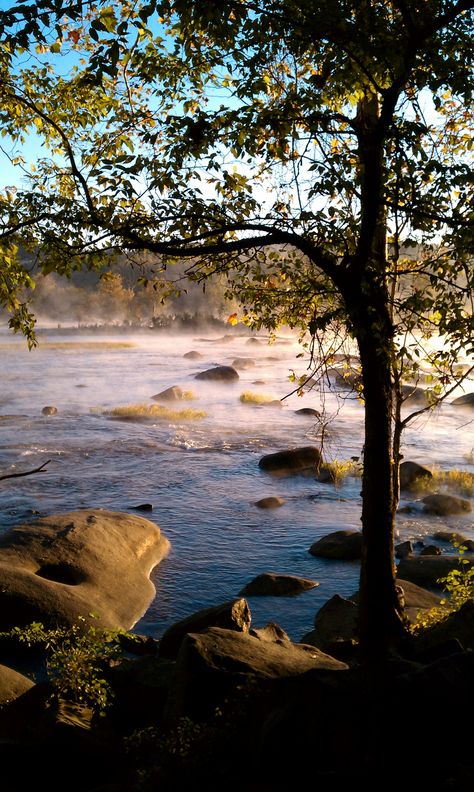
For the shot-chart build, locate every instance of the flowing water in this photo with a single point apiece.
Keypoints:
(201, 476)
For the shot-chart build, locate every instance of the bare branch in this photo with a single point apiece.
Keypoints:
(39, 469)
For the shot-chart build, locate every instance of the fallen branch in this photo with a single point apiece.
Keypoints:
(39, 469)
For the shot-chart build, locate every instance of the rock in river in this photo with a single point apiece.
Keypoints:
(234, 615)
(442, 504)
(57, 569)
(170, 394)
(219, 374)
(467, 400)
(411, 472)
(346, 545)
(293, 460)
(269, 584)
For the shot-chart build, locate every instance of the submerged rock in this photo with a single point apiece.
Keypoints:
(442, 504)
(60, 568)
(50, 409)
(270, 584)
(308, 412)
(219, 374)
(293, 460)
(243, 363)
(345, 545)
(271, 502)
(193, 355)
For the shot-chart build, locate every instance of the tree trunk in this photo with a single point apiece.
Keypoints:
(380, 622)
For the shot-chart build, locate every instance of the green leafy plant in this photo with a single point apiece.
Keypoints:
(459, 587)
(76, 659)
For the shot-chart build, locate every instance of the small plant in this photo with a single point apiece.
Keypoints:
(249, 397)
(76, 658)
(459, 586)
(339, 470)
(456, 480)
(154, 411)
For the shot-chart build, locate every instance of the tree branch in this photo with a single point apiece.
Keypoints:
(39, 469)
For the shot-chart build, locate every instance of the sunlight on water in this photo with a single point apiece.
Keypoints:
(201, 476)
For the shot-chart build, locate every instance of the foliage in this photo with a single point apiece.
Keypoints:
(339, 470)
(455, 480)
(250, 397)
(138, 411)
(459, 586)
(77, 657)
(317, 155)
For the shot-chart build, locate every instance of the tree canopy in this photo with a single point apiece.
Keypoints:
(319, 154)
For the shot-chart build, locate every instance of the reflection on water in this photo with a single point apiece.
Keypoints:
(202, 476)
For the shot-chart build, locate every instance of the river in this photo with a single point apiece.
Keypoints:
(201, 476)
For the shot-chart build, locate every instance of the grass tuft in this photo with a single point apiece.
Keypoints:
(140, 411)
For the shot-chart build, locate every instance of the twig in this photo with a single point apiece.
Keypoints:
(39, 469)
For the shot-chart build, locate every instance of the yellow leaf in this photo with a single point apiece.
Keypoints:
(232, 319)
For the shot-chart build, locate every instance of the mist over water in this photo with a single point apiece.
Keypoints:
(201, 476)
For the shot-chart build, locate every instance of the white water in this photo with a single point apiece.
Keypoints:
(202, 477)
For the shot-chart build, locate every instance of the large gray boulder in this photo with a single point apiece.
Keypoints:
(218, 374)
(216, 665)
(292, 460)
(411, 472)
(345, 544)
(443, 504)
(67, 566)
(269, 584)
(428, 570)
(233, 615)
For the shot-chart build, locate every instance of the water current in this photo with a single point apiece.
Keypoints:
(201, 476)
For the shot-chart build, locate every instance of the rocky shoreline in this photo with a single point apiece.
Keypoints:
(217, 702)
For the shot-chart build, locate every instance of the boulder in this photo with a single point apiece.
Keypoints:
(60, 568)
(326, 475)
(348, 378)
(146, 507)
(430, 550)
(459, 626)
(12, 684)
(193, 355)
(416, 598)
(308, 412)
(293, 460)
(411, 472)
(269, 584)
(218, 374)
(467, 400)
(335, 621)
(271, 502)
(172, 394)
(403, 549)
(50, 409)
(442, 504)
(243, 363)
(455, 538)
(234, 615)
(345, 544)
(253, 341)
(428, 570)
(215, 666)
